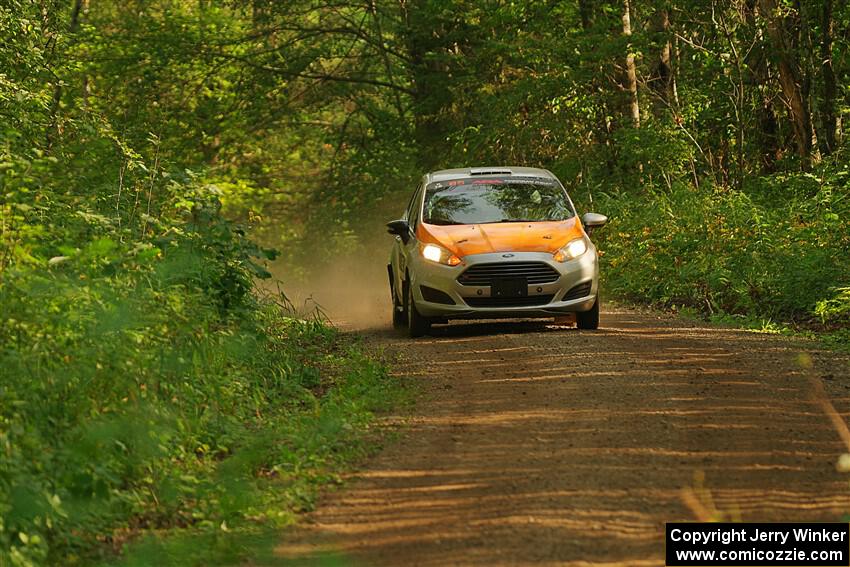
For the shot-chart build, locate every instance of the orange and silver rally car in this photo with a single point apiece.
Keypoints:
(492, 242)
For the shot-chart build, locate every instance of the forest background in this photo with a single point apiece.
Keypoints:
(155, 154)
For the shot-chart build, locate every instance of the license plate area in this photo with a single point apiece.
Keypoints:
(509, 287)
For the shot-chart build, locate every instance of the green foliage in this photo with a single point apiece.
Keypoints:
(144, 387)
(836, 308)
(774, 250)
(131, 404)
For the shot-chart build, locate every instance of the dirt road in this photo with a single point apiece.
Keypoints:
(539, 445)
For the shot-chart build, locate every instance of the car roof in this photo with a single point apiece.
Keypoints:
(464, 172)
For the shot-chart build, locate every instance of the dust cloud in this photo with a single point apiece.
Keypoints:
(353, 294)
(351, 290)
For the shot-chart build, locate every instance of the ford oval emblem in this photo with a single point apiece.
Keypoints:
(507, 255)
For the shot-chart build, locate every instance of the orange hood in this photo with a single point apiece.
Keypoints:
(464, 240)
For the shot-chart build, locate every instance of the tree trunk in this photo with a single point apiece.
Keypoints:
(73, 26)
(385, 58)
(585, 10)
(631, 73)
(789, 80)
(662, 78)
(767, 134)
(827, 138)
(426, 40)
(260, 16)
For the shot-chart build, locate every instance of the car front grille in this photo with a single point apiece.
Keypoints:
(581, 290)
(483, 274)
(529, 301)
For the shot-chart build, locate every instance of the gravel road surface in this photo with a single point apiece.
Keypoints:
(541, 445)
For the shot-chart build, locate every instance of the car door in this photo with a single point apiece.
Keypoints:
(401, 251)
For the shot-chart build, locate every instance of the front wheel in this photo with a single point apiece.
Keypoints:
(417, 325)
(589, 319)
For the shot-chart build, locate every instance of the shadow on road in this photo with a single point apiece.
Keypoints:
(535, 444)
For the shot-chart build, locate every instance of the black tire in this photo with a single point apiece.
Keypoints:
(417, 325)
(589, 320)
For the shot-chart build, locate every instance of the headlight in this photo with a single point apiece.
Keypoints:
(438, 254)
(572, 250)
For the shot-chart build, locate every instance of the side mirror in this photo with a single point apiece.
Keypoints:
(593, 220)
(400, 228)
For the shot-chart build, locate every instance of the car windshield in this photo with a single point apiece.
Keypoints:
(492, 200)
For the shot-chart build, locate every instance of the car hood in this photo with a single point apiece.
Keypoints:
(467, 239)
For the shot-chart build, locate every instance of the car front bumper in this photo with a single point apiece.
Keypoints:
(573, 273)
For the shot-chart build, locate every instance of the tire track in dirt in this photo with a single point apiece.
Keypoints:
(533, 444)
